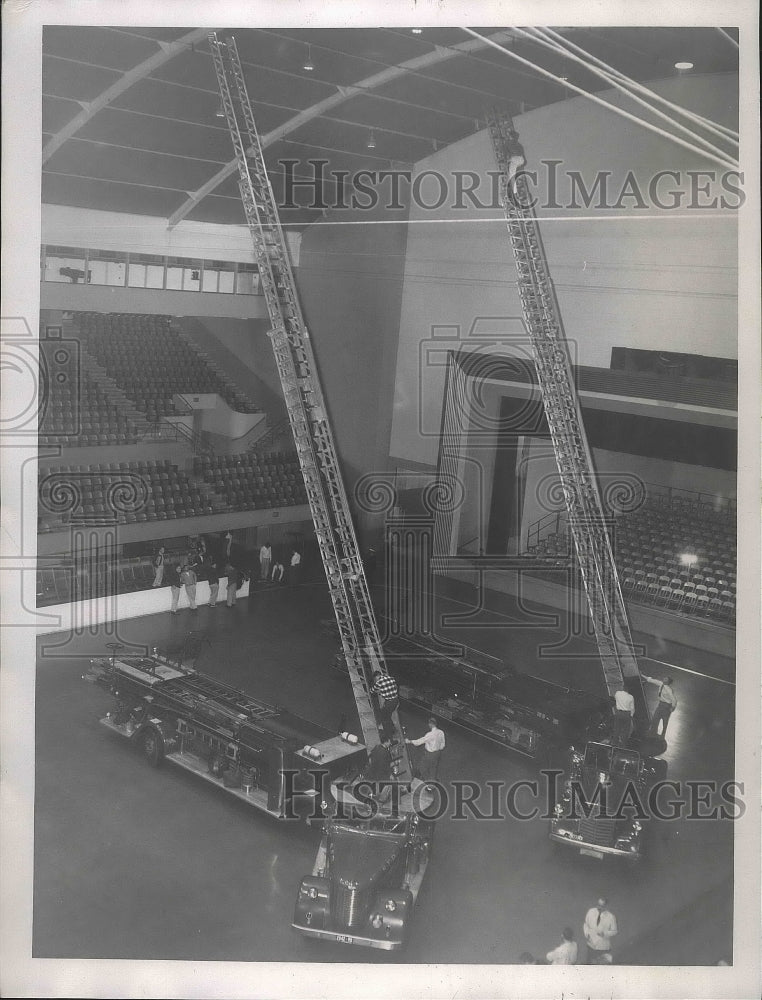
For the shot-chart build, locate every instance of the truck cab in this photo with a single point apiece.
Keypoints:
(603, 809)
(365, 881)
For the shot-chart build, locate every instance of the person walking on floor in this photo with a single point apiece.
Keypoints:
(265, 558)
(385, 689)
(176, 585)
(566, 952)
(433, 743)
(188, 579)
(295, 569)
(599, 928)
(624, 710)
(665, 706)
(158, 565)
(213, 576)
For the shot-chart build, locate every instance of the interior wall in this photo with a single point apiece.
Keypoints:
(96, 230)
(110, 298)
(645, 277)
(350, 285)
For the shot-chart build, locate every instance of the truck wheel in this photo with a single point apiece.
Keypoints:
(152, 745)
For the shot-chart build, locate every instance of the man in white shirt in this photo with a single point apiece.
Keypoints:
(295, 568)
(566, 952)
(265, 558)
(624, 710)
(665, 706)
(433, 743)
(600, 927)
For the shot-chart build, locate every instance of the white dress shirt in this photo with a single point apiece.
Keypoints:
(624, 702)
(600, 927)
(433, 740)
(564, 954)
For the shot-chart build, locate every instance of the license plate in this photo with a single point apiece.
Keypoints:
(590, 853)
(344, 939)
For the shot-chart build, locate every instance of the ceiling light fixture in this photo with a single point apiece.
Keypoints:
(683, 65)
(371, 143)
(308, 64)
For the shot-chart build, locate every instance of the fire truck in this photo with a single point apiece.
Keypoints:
(262, 754)
(492, 700)
(361, 855)
(603, 810)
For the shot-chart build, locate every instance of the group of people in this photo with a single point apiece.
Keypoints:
(199, 563)
(599, 929)
(274, 571)
(624, 711)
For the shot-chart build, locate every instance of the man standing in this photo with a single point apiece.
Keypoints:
(158, 565)
(213, 577)
(600, 927)
(265, 558)
(175, 585)
(295, 569)
(566, 952)
(624, 710)
(227, 545)
(188, 579)
(386, 690)
(665, 706)
(232, 586)
(433, 743)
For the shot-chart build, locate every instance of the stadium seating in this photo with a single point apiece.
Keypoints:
(678, 554)
(82, 415)
(121, 493)
(251, 481)
(152, 362)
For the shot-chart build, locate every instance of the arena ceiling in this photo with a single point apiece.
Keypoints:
(130, 115)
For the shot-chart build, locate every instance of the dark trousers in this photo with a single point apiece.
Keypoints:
(662, 714)
(596, 957)
(385, 709)
(428, 763)
(622, 728)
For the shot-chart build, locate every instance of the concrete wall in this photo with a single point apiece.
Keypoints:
(645, 277)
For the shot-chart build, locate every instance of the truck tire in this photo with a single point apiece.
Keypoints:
(152, 745)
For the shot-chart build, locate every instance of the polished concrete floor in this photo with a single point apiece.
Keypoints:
(132, 862)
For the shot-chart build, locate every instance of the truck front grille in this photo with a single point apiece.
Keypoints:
(349, 903)
(598, 831)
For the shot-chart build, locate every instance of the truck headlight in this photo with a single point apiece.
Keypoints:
(390, 905)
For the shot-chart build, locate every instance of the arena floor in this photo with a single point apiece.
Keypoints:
(137, 863)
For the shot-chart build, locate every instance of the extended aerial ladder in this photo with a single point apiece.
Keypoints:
(360, 639)
(575, 467)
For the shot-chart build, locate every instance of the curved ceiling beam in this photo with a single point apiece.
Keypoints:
(167, 51)
(439, 54)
